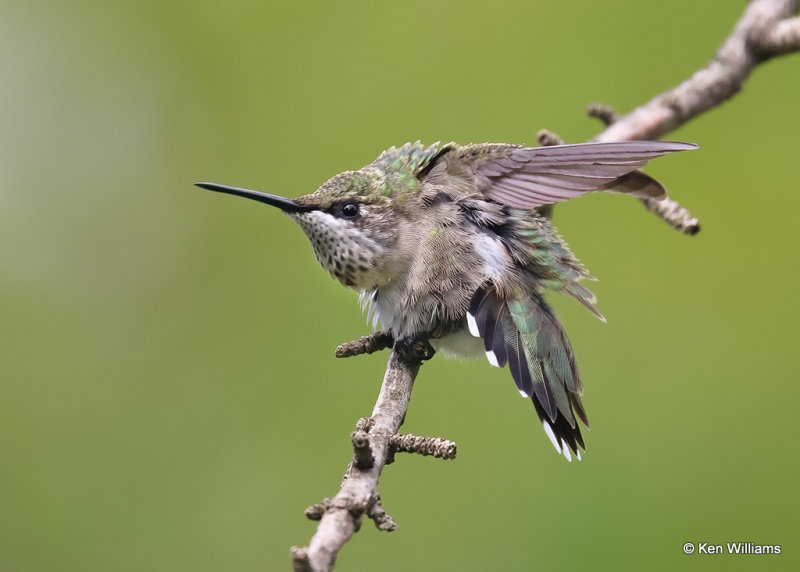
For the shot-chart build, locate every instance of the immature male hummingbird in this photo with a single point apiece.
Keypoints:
(445, 242)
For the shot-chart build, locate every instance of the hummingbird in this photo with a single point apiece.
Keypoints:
(454, 244)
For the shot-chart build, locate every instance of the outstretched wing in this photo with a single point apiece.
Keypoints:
(525, 334)
(528, 177)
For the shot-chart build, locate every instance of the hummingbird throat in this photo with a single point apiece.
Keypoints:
(342, 249)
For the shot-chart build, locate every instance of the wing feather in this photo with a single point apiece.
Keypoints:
(529, 177)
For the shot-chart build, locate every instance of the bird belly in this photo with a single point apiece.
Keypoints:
(459, 344)
(432, 297)
(383, 310)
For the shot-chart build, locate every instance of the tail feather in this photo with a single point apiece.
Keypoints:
(525, 333)
(518, 365)
(563, 437)
(585, 297)
(497, 341)
(486, 319)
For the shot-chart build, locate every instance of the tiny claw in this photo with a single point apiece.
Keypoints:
(414, 348)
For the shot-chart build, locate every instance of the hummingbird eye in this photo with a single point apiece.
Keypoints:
(349, 209)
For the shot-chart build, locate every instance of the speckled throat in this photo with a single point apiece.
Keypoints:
(343, 250)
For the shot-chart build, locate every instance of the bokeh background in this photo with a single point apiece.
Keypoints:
(169, 399)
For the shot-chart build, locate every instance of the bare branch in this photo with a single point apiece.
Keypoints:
(365, 345)
(428, 446)
(710, 86)
(362, 450)
(380, 517)
(315, 511)
(782, 38)
(603, 112)
(673, 214)
(547, 138)
(341, 516)
(300, 561)
(762, 32)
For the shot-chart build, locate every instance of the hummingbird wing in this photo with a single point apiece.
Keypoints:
(524, 333)
(529, 177)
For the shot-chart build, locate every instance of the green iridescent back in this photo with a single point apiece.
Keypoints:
(401, 168)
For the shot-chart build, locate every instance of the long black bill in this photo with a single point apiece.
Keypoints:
(286, 205)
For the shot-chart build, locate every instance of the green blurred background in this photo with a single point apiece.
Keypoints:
(169, 396)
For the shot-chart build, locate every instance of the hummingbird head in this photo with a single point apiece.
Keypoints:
(350, 220)
(363, 225)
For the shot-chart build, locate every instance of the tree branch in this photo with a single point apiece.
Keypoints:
(375, 441)
(782, 38)
(765, 30)
(365, 345)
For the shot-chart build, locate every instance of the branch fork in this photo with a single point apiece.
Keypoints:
(375, 442)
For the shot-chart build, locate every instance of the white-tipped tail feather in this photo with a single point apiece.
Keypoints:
(565, 450)
(552, 436)
(473, 325)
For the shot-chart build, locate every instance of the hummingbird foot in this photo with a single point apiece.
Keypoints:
(414, 348)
